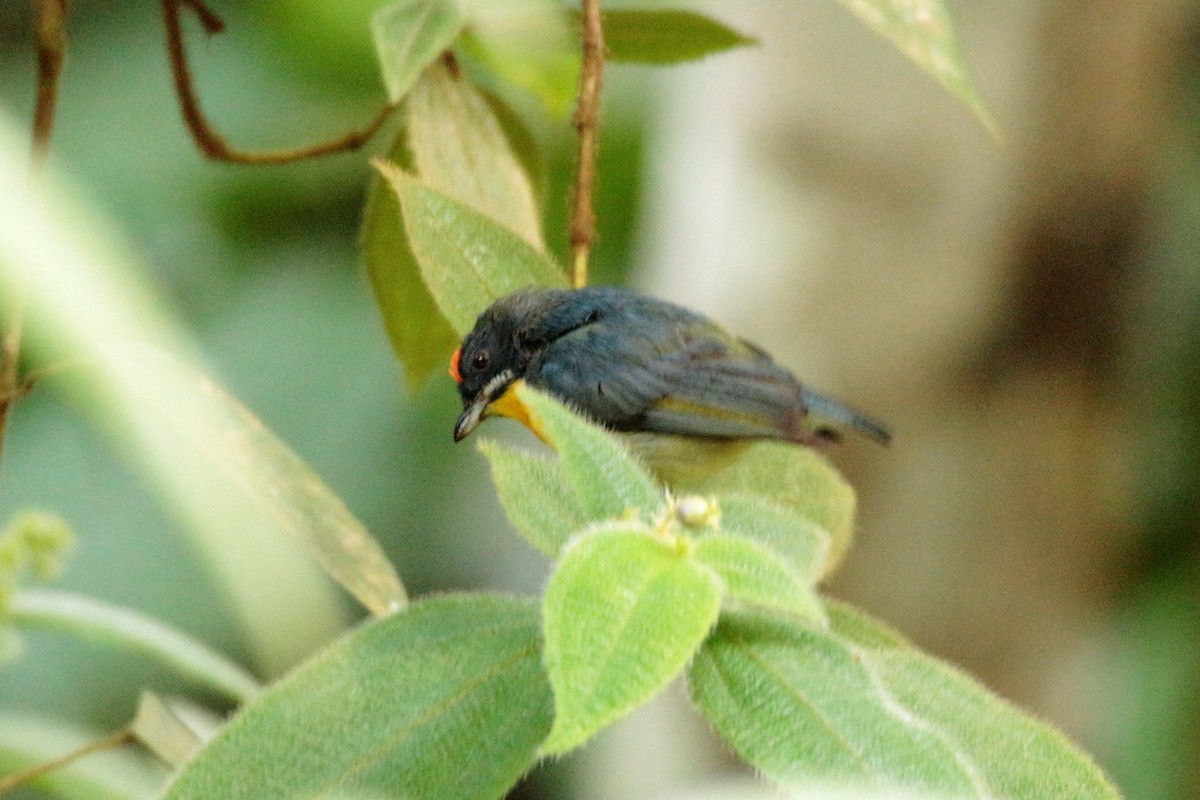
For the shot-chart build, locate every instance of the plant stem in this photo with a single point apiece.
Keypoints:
(586, 121)
(112, 741)
(50, 42)
(88, 618)
(211, 143)
(49, 23)
(10, 356)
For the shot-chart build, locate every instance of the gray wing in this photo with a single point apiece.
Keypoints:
(686, 377)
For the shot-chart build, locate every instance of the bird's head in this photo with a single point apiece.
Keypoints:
(492, 357)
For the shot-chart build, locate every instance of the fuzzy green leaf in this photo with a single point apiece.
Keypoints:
(795, 537)
(606, 479)
(921, 30)
(821, 709)
(666, 36)
(860, 629)
(467, 260)
(409, 34)
(623, 614)
(446, 700)
(536, 496)
(421, 337)
(797, 478)
(754, 574)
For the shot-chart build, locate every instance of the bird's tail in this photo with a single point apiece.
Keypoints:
(825, 414)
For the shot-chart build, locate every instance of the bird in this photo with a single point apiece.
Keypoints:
(642, 367)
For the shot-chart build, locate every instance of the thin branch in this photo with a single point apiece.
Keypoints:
(587, 120)
(49, 24)
(11, 388)
(211, 143)
(50, 21)
(14, 780)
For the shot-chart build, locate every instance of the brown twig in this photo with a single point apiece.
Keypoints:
(50, 42)
(211, 143)
(586, 120)
(110, 742)
(49, 24)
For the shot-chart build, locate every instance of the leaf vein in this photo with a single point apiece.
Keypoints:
(910, 719)
(433, 712)
(782, 678)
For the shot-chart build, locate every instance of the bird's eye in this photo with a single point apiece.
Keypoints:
(480, 361)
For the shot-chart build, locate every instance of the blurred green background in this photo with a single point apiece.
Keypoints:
(1025, 315)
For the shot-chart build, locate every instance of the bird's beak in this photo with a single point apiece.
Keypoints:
(476, 410)
(471, 416)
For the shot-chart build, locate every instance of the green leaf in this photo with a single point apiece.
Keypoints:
(529, 44)
(454, 141)
(523, 144)
(466, 259)
(409, 34)
(818, 709)
(421, 337)
(237, 443)
(445, 700)
(754, 574)
(91, 297)
(606, 480)
(797, 478)
(162, 731)
(860, 629)
(667, 36)
(623, 614)
(34, 541)
(536, 496)
(801, 542)
(460, 149)
(921, 30)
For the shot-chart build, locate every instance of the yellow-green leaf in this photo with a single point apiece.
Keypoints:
(421, 337)
(754, 574)
(797, 478)
(921, 30)
(527, 43)
(460, 149)
(235, 442)
(623, 614)
(454, 141)
(536, 495)
(467, 259)
(409, 34)
(799, 540)
(607, 481)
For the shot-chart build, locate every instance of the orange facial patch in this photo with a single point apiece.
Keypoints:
(454, 359)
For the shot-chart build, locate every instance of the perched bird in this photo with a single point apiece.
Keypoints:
(639, 366)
